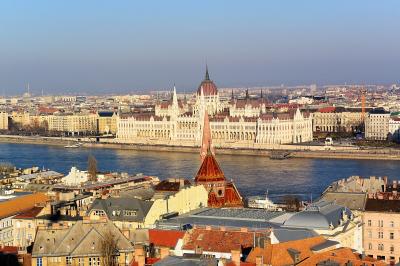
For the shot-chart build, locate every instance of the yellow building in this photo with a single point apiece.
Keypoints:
(107, 122)
(73, 123)
(3, 121)
(131, 213)
(23, 119)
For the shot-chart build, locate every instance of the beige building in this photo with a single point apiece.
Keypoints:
(13, 207)
(382, 227)
(73, 123)
(334, 119)
(377, 125)
(80, 244)
(3, 121)
(24, 118)
(24, 227)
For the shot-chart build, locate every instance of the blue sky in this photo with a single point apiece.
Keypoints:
(118, 46)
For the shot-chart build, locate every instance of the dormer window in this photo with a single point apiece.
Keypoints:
(129, 213)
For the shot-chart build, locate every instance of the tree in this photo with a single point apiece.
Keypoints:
(109, 249)
(292, 203)
(92, 168)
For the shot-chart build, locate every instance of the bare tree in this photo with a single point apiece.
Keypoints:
(109, 250)
(6, 167)
(92, 168)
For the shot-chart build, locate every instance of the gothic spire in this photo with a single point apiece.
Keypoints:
(207, 77)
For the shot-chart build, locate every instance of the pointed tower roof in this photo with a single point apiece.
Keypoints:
(206, 146)
(208, 85)
(209, 170)
(207, 77)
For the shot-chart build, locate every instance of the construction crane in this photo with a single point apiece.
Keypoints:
(363, 92)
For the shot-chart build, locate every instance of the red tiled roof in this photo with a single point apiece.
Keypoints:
(209, 170)
(231, 198)
(342, 256)
(165, 238)
(329, 109)
(218, 240)
(278, 254)
(29, 214)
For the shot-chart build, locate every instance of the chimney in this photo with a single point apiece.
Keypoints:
(243, 229)
(394, 184)
(164, 252)
(259, 261)
(181, 183)
(223, 228)
(235, 257)
(208, 227)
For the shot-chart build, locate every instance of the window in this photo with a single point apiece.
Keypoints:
(369, 222)
(391, 224)
(68, 260)
(81, 261)
(94, 261)
(370, 234)
(391, 236)
(370, 246)
(391, 248)
(380, 247)
(380, 234)
(39, 261)
(380, 223)
(129, 213)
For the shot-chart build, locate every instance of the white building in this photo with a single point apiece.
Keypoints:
(394, 128)
(377, 124)
(75, 177)
(239, 123)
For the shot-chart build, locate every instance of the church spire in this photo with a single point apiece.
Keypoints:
(262, 96)
(206, 147)
(207, 77)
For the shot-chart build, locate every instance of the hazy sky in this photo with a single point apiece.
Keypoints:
(114, 46)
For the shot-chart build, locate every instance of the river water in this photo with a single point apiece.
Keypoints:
(252, 175)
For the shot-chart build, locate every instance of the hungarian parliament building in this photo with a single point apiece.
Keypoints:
(244, 123)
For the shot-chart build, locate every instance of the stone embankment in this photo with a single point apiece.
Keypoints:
(295, 151)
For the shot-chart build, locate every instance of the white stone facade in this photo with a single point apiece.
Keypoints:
(248, 129)
(377, 126)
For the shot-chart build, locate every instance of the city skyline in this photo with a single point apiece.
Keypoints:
(99, 47)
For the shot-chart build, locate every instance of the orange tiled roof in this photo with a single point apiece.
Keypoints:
(20, 204)
(28, 214)
(209, 170)
(218, 240)
(278, 254)
(165, 238)
(341, 256)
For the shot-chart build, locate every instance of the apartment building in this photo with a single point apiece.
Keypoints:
(381, 228)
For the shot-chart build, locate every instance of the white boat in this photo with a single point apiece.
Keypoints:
(259, 202)
(72, 146)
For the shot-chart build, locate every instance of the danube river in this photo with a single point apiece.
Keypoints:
(252, 175)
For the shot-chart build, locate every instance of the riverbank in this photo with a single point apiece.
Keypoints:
(295, 151)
